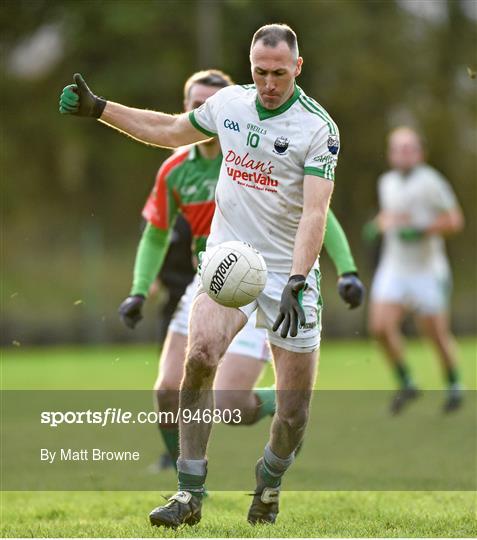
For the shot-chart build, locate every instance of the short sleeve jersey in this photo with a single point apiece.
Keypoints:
(266, 154)
(419, 197)
(185, 183)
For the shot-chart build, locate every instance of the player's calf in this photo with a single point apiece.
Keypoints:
(289, 423)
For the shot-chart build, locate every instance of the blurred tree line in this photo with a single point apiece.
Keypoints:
(73, 190)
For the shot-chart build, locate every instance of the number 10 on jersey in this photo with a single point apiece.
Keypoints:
(253, 139)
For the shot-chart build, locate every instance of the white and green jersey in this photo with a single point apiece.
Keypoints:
(266, 154)
(418, 197)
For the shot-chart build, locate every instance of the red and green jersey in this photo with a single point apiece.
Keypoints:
(185, 183)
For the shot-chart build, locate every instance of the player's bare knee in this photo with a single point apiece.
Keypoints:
(201, 362)
(295, 419)
(167, 396)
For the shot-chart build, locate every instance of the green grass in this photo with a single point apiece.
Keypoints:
(344, 365)
(305, 514)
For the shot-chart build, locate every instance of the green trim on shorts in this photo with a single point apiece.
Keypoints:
(318, 281)
(300, 297)
(319, 303)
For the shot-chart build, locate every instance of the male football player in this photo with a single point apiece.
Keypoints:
(417, 209)
(185, 185)
(280, 150)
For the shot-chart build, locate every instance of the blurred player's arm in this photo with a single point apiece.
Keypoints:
(149, 127)
(449, 217)
(150, 256)
(350, 287)
(382, 223)
(447, 223)
(160, 211)
(337, 246)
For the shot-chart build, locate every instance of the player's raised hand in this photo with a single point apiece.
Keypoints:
(130, 311)
(291, 311)
(77, 99)
(351, 289)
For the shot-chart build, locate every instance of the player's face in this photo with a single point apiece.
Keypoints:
(274, 70)
(404, 150)
(197, 95)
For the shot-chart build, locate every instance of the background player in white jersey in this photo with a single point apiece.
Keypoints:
(417, 209)
(280, 149)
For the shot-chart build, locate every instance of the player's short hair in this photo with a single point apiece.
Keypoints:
(408, 129)
(207, 77)
(272, 34)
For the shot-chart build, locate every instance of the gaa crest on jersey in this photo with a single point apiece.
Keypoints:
(230, 124)
(333, 144)
(280, 146)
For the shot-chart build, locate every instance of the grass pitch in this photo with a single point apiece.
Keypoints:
(344, 365)
(303, 514)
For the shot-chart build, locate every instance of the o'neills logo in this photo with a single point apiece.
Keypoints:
(258, 172)
(218, 279)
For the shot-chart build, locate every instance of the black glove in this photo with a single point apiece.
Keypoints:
(130, 310)
(351, 289)
(291, 310)
(78, 99)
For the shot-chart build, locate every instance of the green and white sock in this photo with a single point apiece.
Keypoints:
(274, 467)
(191, 475)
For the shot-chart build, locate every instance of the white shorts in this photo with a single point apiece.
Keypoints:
(250, 341)
(424, 292)
(267, 307)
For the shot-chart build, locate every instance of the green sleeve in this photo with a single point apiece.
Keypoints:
(149, 258)
(337, 246)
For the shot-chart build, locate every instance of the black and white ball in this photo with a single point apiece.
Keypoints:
(233, 273)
